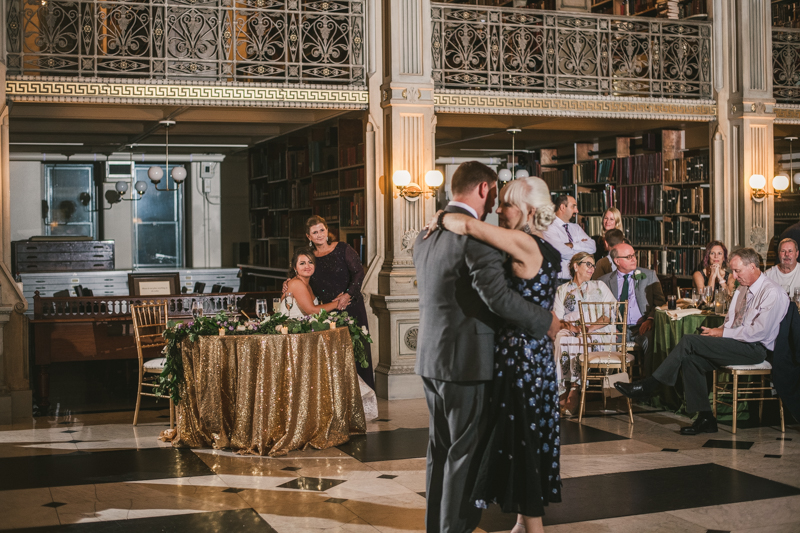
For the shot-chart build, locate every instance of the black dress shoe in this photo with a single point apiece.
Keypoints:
(701, 425)
(635, 391)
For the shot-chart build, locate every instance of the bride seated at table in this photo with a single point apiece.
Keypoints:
(302, 302)
(299, 300)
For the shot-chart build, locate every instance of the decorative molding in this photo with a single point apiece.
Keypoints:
(787, 113)
(410, 338)
(158, 92)
(500, 103)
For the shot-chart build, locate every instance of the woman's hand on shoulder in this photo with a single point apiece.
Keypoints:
(433, 225)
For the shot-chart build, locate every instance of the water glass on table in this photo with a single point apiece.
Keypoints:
(276, 305)
(261, 309)
(197, 308)
(695, 297)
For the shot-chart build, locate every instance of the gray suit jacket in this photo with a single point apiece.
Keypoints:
(649, 294)
(462, 290)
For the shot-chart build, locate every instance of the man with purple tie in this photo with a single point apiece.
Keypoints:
(567, 237)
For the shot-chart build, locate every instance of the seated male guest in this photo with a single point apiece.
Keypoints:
(786, 273)
(611, 238)
(641, 288)
(566, 236)
(750, 329)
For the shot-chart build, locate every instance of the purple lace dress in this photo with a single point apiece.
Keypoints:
(341, 271)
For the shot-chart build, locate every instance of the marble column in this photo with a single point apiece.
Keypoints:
(742, 136)
(408, 138)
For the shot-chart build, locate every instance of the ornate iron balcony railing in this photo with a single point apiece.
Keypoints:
(786, 65)
(283, 41)
(500, 49)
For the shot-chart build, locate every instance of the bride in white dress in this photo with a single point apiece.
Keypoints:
(304, 303)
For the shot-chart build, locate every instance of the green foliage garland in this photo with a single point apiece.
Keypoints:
(172, 376)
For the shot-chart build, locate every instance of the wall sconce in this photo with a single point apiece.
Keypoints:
(757, 183)
(411, 191)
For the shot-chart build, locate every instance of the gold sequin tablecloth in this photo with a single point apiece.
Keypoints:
(269, 394)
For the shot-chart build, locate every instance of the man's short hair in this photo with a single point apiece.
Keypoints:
(748, 256)
(561, 201)
(469, 175)
(614, 237)
(788, 239)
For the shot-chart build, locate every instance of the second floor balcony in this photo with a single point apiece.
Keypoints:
(275, 41)
(502, 49)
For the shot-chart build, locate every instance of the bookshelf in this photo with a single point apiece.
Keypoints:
(672, 9)
(318, 170)
(786, 13)
(662, 191)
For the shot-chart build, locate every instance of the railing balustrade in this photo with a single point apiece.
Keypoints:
(786, 65)
(278, 41)
(502, 49)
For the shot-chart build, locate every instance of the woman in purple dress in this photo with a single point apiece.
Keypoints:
(339, 274)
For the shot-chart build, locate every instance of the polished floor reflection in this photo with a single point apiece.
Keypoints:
(92, 473)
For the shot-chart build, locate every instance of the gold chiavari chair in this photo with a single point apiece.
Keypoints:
(149, 323)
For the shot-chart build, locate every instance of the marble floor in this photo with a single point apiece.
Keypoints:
(95, 472)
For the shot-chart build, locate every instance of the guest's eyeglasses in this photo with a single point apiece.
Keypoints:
(587, 263)
(626, 256)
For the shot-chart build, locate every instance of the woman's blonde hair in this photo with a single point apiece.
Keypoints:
(577, 258)
(617, 217)
(531, 193)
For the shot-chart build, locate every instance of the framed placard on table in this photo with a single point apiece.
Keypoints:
(154, 283)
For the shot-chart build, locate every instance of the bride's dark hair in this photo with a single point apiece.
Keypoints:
(297, 253)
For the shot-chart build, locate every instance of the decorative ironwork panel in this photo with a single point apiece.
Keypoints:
(504, 49)
(786, 65)
(279, 41)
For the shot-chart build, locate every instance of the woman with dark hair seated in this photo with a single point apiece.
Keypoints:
(713, 270)
(299, 286)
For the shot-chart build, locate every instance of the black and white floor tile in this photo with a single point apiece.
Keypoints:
(95, 473)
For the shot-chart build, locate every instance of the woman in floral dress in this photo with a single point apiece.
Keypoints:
(568, 343)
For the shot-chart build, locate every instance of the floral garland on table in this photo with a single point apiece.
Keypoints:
(172, 375)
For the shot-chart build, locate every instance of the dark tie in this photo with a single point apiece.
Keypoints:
(623, 297)
(566, 228)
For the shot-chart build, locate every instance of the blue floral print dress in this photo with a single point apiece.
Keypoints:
(519, 468)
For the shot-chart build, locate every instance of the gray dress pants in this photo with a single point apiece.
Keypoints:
(696, 355)
(457, 423)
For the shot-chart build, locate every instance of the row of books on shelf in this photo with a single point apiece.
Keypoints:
(672, 231)
(353, 178)
(272, 225)
(595, 171)
(644, 200)
(785, 208)
(301, 195)
(353, 210)
(297, 225)
(351, 155)
(329, 211)
(324, 187)
(359, 243)
(677, 261)
(323, 157)
(636, 169)
(556, 180)
(694, 168)
(596, 202)
(593, 226)
(696, 200)
(297, 164)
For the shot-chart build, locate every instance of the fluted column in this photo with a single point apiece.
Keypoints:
(408, 138)
(742, 137)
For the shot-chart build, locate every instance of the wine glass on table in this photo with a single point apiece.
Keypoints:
(197, 309)
(695, 297)
(261, 309)
(276, 305)
(289, 302)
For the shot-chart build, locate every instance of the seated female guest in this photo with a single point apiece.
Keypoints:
(568, 344)
(612, 219)
(713, 270)
(299, 286)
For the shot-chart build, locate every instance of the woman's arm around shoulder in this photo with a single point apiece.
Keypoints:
(519, 245)
(305, 298)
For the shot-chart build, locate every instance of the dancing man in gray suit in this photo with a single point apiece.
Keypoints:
(463, 299)
(642, 290)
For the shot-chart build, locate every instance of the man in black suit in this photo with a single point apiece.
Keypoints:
(463, 300)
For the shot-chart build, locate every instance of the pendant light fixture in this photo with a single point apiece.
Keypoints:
(156, 173)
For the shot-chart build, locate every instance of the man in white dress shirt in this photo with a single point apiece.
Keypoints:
(786, 273)
(749, 332)
(567, 237)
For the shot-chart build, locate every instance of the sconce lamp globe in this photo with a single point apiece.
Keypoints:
(504, 175)
(178, 174)
(780, 182)
(155, 173)
(121, 187)
(521, 173)
(401, 178)
(434, 178)
(140, 186)
(757, 181)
